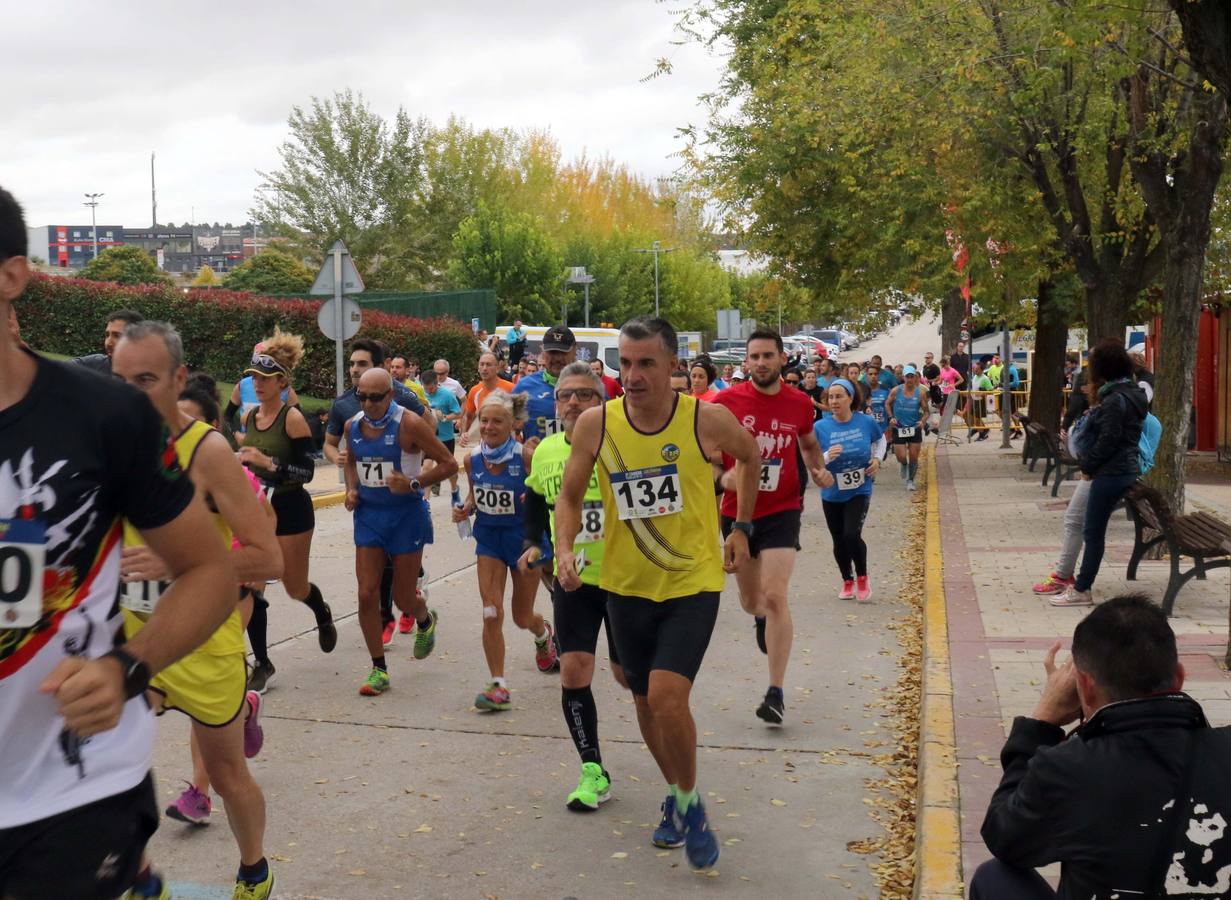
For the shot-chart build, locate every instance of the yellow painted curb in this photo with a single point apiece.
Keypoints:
(323, 501)
(938, 834)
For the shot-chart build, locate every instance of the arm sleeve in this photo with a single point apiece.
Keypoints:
(878, 448)
(299, 468)
(1021, 826)
(537, 514)
(154, 489)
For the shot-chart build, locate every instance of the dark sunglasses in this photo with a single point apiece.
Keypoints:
(372, 398)
(585, 395)
(794, 381)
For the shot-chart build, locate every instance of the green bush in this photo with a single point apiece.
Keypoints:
(124, 265)
(63, 315)
(270, 272)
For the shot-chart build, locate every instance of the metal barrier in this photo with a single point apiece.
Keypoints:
(979, 411)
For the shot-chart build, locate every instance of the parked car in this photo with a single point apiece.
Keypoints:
(729, 345)
(818, 349)
(832, 336)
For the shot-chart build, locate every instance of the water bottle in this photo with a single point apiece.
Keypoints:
(463, 527)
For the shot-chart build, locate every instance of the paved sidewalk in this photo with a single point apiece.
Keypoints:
(1001, 534)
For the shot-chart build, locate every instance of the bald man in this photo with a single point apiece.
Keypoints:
(489, 380)
(385, 447)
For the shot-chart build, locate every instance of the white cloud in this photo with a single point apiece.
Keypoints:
(209, 87)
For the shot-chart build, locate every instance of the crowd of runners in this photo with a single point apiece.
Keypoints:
(627, 501)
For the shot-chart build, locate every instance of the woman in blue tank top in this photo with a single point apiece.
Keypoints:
(907, 406)
(496, 472)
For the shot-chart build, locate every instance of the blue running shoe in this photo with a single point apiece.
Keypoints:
(700, 845)
(667, 834)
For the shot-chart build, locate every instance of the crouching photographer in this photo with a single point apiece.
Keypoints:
(1136, 801)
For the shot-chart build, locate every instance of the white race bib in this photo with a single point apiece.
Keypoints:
(646, 493)
(548, 427)
(771, 472)
(142, 596)
(592, 519)
(23, 549)
(848, 481)
(494, 501)
(907, 432)
(373, 471)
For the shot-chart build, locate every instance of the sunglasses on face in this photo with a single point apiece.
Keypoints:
(585, 395)
(371, 398)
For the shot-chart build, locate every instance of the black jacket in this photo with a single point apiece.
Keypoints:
(1113, 430)
(1102, 802)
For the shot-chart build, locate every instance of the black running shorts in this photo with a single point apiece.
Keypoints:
(671, 635)
(93, 851)
(578, 616)
(916, 438)
(294, 511)
(780, 529)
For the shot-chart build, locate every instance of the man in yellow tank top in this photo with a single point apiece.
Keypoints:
(208, 684)
(663, 563)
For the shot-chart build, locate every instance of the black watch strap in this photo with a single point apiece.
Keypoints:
(745, 527)
(136, 673)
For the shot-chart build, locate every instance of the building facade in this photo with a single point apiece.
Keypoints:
(176, 249)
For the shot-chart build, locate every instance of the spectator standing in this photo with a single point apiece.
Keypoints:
(112, 332)
(610, 385)
(960, 360)
(516, 339)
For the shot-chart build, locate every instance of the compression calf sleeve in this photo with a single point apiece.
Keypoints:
(581, 717)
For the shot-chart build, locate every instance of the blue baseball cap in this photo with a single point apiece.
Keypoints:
(909, 370)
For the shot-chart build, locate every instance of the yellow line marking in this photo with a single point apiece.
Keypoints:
(938, 835)
(322, 501)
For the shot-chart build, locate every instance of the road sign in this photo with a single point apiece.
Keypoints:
(352, 281)
(352, 318)
(729, 324)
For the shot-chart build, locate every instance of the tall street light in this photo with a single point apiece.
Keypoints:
(92, 202)
(656, 248)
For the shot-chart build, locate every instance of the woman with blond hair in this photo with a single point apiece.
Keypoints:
(278, 450)
(496, 472)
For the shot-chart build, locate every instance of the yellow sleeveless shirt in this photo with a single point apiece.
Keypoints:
(662, 539)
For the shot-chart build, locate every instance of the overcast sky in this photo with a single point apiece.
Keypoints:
(94, 87)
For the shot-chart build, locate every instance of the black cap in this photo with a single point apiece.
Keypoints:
(559, 337)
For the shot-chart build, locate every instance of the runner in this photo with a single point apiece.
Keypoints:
(489, 380)
(278, 450)
(209, 684)
(610, 385)
(701, 378)
(441, 368)
(578, 614)
(244, 400)
(385, 447)
(853, 444)
(496, 472)
(77, 802)
(781, 422)
(878, 393)
(907, 406)
(664, 567)
(447, 411)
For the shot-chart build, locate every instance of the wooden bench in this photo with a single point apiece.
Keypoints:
(1033, 448)
(1058, 459)
(1198, 535)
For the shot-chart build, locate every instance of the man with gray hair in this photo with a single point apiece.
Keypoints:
(441, 368)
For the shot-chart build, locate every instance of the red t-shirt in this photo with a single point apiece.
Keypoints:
(613, 387)
(776, 421)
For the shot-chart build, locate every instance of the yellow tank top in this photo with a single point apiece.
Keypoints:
(662, 522)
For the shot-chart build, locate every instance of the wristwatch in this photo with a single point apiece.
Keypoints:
(745, 527)
(136, 673)
(415, 486)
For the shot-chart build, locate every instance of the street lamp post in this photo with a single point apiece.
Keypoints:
(656, 248)
(580, 276)
(92, 202)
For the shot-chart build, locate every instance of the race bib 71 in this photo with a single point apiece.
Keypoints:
(373, 471)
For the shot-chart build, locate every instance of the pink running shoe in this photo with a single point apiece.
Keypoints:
(254, 734)
(546, 655)
(1053, 584)
(192, 807)
(848, 590)
(406, 624)
(863, 591)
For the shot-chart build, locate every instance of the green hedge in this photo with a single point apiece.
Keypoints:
(63, 315)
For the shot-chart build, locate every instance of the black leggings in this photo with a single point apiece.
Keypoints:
(845, 521)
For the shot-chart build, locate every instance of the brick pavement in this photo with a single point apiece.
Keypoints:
(1000, 534)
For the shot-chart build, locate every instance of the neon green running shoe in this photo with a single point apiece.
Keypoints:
(593, 788)
(425, 641)
(377, 683)
(263, 891)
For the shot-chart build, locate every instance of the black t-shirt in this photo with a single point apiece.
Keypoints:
(961, 362)
(931, 372)
(817, 394)
(347, 406)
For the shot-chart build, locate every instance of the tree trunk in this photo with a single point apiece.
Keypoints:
(1106, 313)
(952, 311)
(1050, 337)
(1207, 39)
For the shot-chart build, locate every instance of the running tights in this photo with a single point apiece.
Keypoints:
(258, 627)
(845, 521)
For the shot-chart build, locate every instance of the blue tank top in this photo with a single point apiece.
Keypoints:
(879, 395)
(906, 408)
(541, 406)
(499, 499)
(376, 457)
(248, 400)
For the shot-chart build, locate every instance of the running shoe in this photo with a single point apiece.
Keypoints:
(667, 835)
(772, 709)
(191, 807)
(386, 634)
(261, 676)
(494, 698)
(327, 632)
(254, 734)
(425, 641)
(758, 623)
(547, 654)
(153, 888)
(863, 590)
(1072, 597)
(910, 484)
(406, 623)
(262, 891)
(376, 683)
(1053, 584)
(700, 845)
(848, 590)
(593, 788)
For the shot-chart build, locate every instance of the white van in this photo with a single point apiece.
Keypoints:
(592, 343)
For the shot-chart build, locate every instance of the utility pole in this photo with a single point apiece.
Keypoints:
(92, 202)
(656, 248)
(153, 195)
